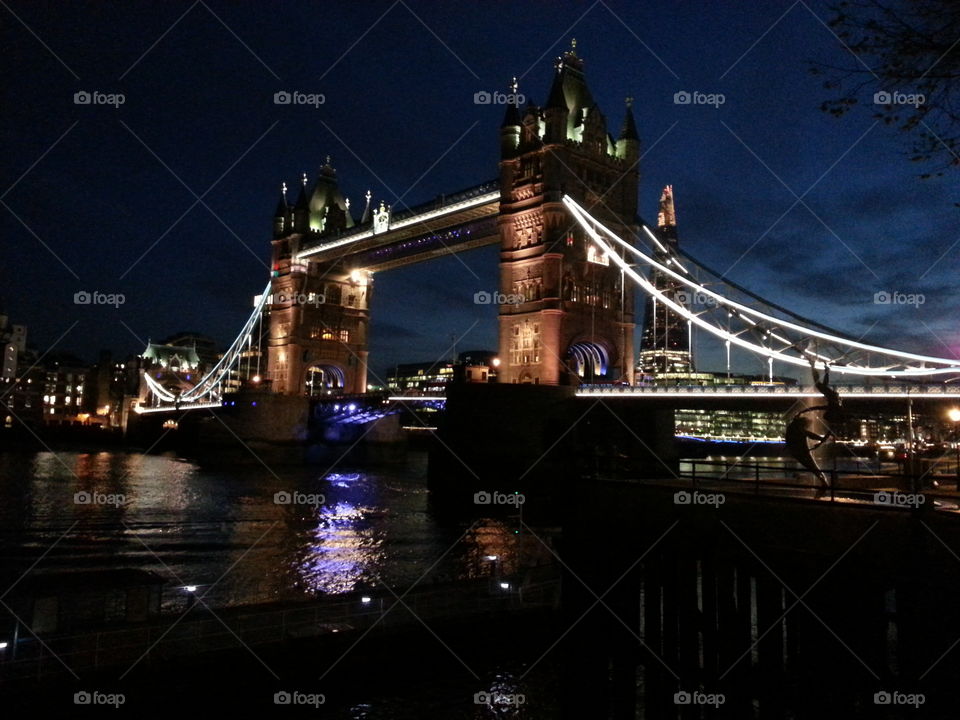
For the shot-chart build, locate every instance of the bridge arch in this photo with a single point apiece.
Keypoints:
(323, 379)
(590, 360)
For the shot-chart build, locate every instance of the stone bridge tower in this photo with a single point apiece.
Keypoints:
(319, 312)
(568, 315)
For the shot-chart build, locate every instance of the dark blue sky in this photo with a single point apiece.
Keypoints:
(399, 118)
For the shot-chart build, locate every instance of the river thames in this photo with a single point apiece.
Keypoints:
(244, 535)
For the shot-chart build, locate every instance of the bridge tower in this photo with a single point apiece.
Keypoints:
(567, 310)
(665, 344)
(319, 311)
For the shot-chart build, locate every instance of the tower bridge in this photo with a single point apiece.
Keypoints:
(573, 250)
(575, 315)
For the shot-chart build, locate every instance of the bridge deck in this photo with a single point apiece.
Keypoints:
(463, 211)
(764, 392)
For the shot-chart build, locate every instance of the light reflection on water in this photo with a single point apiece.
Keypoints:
(343, 551)
(223, 531)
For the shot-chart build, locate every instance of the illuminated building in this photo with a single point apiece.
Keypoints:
(113, 390)
(572, 319)
(420, 378)
(64, 388)
(21, 380)
(479, 366)
(717, 424)
(665, 344)
(168, 370)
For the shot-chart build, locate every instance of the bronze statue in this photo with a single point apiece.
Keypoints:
(799, 431)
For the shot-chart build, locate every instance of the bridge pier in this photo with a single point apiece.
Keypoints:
(542, 440)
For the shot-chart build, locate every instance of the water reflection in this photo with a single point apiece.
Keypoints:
(345, 549)
(223, 528)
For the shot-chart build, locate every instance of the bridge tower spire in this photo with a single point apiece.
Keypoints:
(511, 126)
(301, 209)
(281, 218)
(573, 316)
(628, 144)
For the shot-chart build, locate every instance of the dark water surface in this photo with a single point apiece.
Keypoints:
(225, 532)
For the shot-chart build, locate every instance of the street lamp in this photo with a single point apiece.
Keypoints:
(954, 416)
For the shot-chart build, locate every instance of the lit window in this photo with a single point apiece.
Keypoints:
(596, 256)
(344, 336)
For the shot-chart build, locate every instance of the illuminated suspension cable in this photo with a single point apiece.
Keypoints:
(217, 372)
(591, 225)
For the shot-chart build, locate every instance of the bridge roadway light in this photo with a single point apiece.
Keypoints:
(953, 414)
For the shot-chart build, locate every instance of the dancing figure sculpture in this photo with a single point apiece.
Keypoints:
(800, 432)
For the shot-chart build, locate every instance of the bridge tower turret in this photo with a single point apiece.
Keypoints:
(281, 218)
(301, 210)
(510, 128)
(628, 144)
(568, 315)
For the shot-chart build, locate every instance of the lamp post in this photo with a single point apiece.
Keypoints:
(954, 415)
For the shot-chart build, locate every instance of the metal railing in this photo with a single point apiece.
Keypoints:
(852, 391)
(860, 479)
(169, 638)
